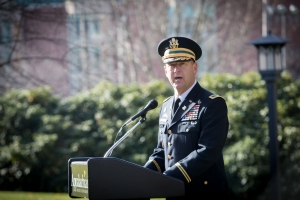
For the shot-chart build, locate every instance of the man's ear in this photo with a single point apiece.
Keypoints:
(195, 67)
(165, 68)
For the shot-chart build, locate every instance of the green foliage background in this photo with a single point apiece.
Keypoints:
(39, 132)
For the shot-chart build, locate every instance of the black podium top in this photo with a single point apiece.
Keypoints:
(113, 178)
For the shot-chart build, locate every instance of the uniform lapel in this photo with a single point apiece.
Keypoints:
(169, 110)
(186, 105)
(182, 110)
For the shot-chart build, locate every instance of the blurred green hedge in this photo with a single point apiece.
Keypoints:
(39, 132)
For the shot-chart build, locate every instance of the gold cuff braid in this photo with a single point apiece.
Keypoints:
(157, 166)
(185, 174)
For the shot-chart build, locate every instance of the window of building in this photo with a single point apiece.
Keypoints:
(84, 56)
(5, 32)
(198, 21)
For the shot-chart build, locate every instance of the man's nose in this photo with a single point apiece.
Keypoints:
(176, 68)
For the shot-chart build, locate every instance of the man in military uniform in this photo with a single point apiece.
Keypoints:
(190, 137)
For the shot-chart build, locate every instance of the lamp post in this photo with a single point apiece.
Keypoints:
(270, 66)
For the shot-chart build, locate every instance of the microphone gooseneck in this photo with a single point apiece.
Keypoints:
(151, 105)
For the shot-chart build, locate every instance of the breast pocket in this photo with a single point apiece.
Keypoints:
(187, 137)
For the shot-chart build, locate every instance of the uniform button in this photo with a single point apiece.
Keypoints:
(187, 130)
(205, 182)
(169, 157)
(169, 144)
(169, 131)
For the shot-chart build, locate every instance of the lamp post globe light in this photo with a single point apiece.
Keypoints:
(270, 67)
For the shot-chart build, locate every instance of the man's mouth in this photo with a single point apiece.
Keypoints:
(178, 78)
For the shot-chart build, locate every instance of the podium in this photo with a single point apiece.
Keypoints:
(112, 178)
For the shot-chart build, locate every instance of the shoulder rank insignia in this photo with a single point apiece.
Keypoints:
(167, 98)
(213, 96)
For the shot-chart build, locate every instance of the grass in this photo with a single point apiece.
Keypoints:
(9, 195)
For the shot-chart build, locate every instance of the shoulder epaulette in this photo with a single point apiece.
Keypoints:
(167, 98)
(213, 96)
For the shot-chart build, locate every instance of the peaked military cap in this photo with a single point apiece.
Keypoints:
(178, 49)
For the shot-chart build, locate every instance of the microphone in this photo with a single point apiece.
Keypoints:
(151, 105)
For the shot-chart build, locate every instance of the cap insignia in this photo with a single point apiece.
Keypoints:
(174, 43)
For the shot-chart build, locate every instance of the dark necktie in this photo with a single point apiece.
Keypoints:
(176, 104)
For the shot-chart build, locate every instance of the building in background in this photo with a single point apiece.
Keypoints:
(72, 45)
(283, 19)
(33, 54)
(85, 46)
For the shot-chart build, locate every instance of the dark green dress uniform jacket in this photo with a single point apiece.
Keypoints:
(190, 144)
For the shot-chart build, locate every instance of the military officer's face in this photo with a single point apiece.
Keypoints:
(181, 75)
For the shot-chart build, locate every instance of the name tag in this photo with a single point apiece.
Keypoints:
(163, 119)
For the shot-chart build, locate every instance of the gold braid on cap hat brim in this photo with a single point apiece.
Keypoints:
(177, 59)
(178, 54)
